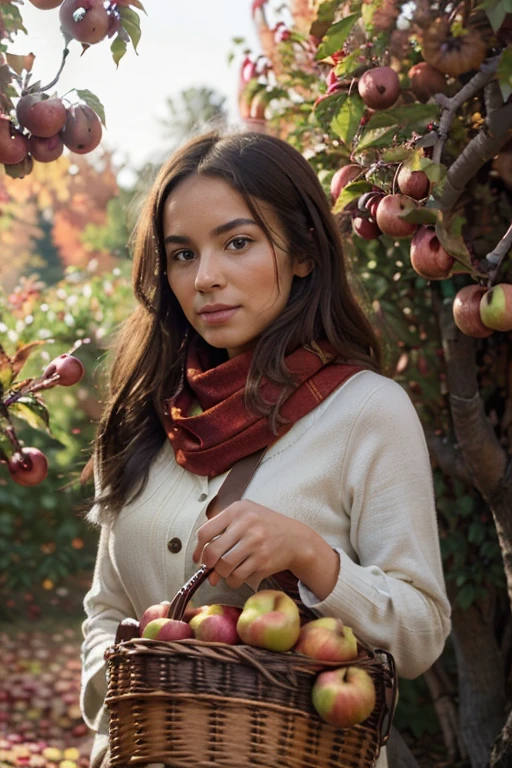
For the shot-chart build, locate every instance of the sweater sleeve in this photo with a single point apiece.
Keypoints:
(105, 604)
(394, 597)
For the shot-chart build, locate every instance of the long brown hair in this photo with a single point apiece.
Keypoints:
(149, 350)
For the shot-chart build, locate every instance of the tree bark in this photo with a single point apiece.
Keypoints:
(481, 677)
(399, 754)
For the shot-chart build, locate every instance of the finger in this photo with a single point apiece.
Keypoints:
(244, 573)
(214, 578)
(220, 546)
(211, 529)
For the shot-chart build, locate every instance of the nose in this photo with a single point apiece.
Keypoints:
(209, 274)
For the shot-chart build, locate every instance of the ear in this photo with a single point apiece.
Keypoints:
(303, 267)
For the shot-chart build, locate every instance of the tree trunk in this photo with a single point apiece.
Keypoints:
(399, 754)
(481, 677)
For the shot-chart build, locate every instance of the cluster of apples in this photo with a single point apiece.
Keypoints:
(270, 619)
(46, 126)
(478, 311)
(29, 466)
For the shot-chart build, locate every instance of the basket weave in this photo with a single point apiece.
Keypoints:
(192, 704)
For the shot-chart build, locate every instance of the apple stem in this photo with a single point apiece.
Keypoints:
(11, 434)
(65, 53)
(497, 256)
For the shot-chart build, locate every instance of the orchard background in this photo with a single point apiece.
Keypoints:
(404, 111)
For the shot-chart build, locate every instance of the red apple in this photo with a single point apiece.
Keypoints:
(82, 131)
(30, 467)
(216, 609)
(46, 150)
(85, 20)
(379, 88)
(269, 619)
(496, 307)
(365, 228)
(428, 257)
(344, 697)
(69, 368)
(327, 639)
(415, 184)
(167, 629)
(13, 143)
(158, 611)
(342, 177)
(46, 5)
(388, 215)
(216, 628)
(466, 311)
(426, 81)
(41, 115)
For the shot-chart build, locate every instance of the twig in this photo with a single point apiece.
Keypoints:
(498, 255)
(450, 106)
(34, 386)
(55, 79)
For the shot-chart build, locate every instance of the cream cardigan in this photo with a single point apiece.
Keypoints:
(356, 470)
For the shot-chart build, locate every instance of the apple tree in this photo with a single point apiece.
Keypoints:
(404, 109)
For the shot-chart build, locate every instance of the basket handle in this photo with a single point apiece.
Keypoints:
(180, 600)
(390, 696)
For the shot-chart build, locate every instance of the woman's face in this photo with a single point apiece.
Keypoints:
(228, 279)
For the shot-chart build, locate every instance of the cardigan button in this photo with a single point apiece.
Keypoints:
(202, 497)
(174, 546)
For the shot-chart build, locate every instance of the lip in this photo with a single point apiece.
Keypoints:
(215, 314)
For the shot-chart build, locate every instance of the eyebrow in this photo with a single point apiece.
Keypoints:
(217, 231)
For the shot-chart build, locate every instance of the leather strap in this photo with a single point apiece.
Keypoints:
(236, 482)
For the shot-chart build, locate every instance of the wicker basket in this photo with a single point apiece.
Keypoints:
(191, 704)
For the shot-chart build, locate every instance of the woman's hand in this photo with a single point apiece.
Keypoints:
(247, 542)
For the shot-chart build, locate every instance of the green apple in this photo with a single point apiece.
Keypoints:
(269, 619)
(344, 697)
(496, 307)
(327, 639)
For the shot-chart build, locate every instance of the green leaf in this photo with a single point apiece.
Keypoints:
(347, 121)
(118, 49)
(349, 64)
(22, 354)
(6, 370)
(496, 14)
(380, 137)
(325, 15)
(351, 192)
(396, 154)
(412, 115)
(93, 102)
(448, 231)
(131, 22)
(504, 73)
(421, 215)
(336, 36)
(32, 411)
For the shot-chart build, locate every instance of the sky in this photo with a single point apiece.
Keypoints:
(184, 43)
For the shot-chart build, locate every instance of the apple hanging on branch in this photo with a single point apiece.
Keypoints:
(28, 466)
(35, 123)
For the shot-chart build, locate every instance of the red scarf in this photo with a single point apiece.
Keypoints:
(210, 442)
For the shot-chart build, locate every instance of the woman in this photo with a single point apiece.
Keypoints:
(247, 335)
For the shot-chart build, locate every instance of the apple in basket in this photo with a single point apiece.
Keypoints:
(216, 623)
(327, 639)
(344, 697)
(167, 629)
(269, 619)
(158, 611)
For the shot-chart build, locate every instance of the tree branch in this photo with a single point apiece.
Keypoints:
(486, 144)
(65, 53)
(484, 456)
(497, 256)
(450, 106)
(444, 455)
